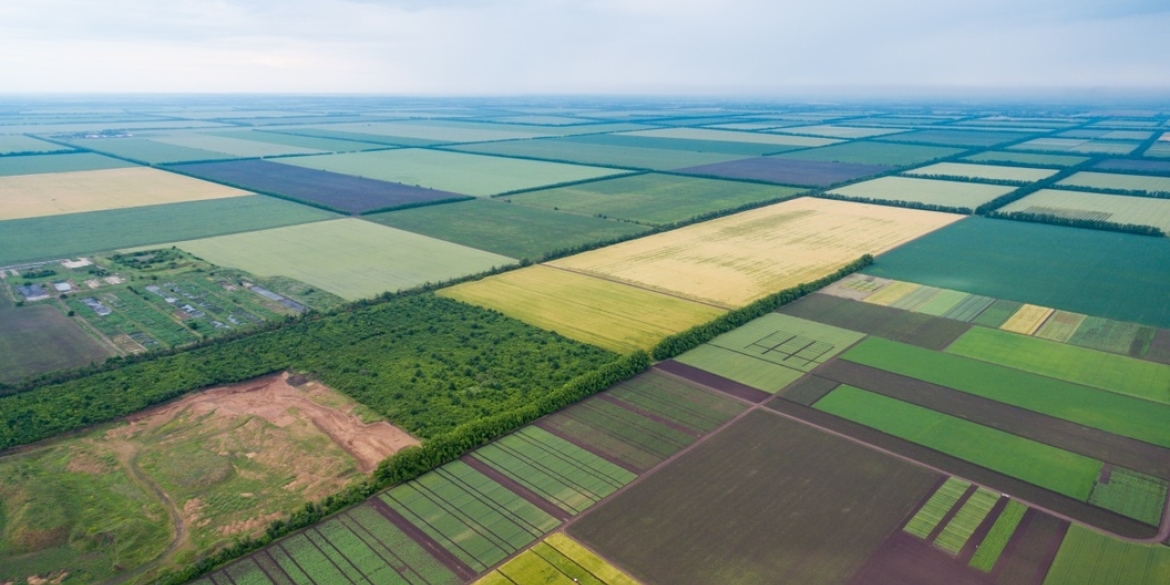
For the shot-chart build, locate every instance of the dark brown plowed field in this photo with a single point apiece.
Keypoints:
(905, 560)
(712, 381)
(766, 500)
(1159, 348)
(914, 328)
(802, 173)
(808, 390)
(1030, 551)
(417, 534)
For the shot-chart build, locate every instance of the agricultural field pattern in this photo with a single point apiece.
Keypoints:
(316, 341)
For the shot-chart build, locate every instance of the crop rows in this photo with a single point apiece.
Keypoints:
(683, 403)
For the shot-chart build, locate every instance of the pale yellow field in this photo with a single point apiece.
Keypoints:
(1027, 320)
(892, 293)
(24, 196)
(607, 314)
(737, 259)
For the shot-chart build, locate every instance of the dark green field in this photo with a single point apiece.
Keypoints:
(566, 150)
(1107, 274)
(58, 163)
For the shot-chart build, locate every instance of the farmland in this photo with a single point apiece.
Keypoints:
(1118, 182)
(510, 230)
(58, 163)
(1077, 145)
(567, 150)
(950, 137)
(231, 146)
(146, 151)
(873, 153)
(1026, 158)
(784, 171)
(611, 315)
(439, 131)
(307, 142)
(731, 136)
(39, 339)
(734, 260)
(557, 559)
(348, 257)
(740, 149)
(16, 143)
(58, 193)
(830, 131)
(952, 194)
(467, 174)
(989, 172)
(1117, 209)
(1089, 558)
(651, 198)
(1126, 165)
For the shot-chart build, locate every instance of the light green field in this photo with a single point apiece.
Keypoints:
(1051, 468)
(555, 149)
(959, 530)
(1077, 145)
(926, 191)
(652, 198)
(1026, 158)
(149, 151)
(1161, 149)
(10, 143)
(1107, 371)
(928, 517)
(1087, 557)
(440, 132)
(231, 145)
(874, 153)
(309, 142)
(990, 172)
(456, 172)
(58, 163)
(745, 369)
(732, 136)
(830, 131)
(1118, 181)
(607, 314)
(1120, 209)
(350, 258)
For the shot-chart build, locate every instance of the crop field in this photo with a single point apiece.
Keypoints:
(1156, 167)
(456, 172)
(1132, 494)
(1161, 149)
(1115, 181)
(1106, 371)
(989, 172)
(927, 191)
(785, 171)
(652, 198)
(759, 511)
(27, 196)
(1061, 326)
(874, 153)
(734, 260)
(831, 131)
(951, 137)
(511, 230)
(350, 258)
(58, 163)
(306, 142)
(557, 560)
(39, 339)
(1087, 557)
(231, 146)
(151, 152)
(70, 235)
(732, 136)
(770, 352)
(335, 191)
(1077, 145)
(567, 150)
(1026, 158)
(1084, 271)
(592, 310)
(1027, 319)
(998, 536)
(1118, 209)
(18, 143)
(915, 328)
(436, 132)
(1055, 469)
(1111, 336)
(741, 149)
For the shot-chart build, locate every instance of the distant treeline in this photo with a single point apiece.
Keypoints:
(1095, 224)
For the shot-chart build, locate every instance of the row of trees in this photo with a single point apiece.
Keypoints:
(1096, 224)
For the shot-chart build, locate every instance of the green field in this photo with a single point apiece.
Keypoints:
(13, 143)
(996, 540)
(1078, 145)
(958, 531)
(350, 258)
(1051, 468)
(874, 153)
(60, 236)
(732, 136)
(1083, 271)
(315, 143)
(742, 149)
(1119, 209)
(652, 198)
(148, 151)
(40, 338)
(1132, 494)
(558, 560)
(231, 145)
(1118, 181)
(510, 230)
(959, 137)
(456, 172)
(1107, 371)
(831, 131)
(58, 163)
(1026, 158)
(931, 514)
(681, 402)
(1087, 557)
(926, 191)
(989, 172)
(558, 149)
(438, 131)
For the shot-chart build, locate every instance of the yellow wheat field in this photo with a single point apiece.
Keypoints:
(25, 196)
(1027, 320)
(615, 316)
(737, 259)
(892, 293)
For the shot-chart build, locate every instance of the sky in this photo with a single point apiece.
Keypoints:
(581, 47)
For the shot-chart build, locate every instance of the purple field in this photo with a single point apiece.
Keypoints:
(320, 188)
(804, 173)
(1137, 166)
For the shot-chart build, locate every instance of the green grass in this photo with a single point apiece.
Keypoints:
(1093, 272)
(1133, 494)
(1026, 158)
(1115, 373)
(233, 146)
(651, 198)
(990, 172)
(58, 163)
(996, 540)
(70, 235)
(507, 229)
(558, 149)
(928, 517)
(1106, 335)
(469, 174)
(1087, 557)
(674, 400)
(926, 191)
(1118, 209)
(874, 153)
(1107, 411)
(348, 257)
(149, 151)
(959, 530)
(1119, 181)
(40, 338)
(1051, 468)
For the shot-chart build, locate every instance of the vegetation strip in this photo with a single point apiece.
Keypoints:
(516, 487)
(729, 387)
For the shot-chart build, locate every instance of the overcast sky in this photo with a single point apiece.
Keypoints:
(491, 47)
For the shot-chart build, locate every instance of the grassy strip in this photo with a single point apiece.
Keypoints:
(931, 513)
(996, 540)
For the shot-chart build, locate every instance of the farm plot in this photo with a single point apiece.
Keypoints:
(1027, 319)
(1118, 209)
(558, 560)
(989, 172)
(434, 132)
(874, 153)
(70, 235)
(40, 338)
(231, 145)
(566, 150)
(592, 310)
(307, 142)
(1131, 493)
(1051, 468)
(1026, 158)
(1085, 271)
(831, 131)
(676, 401)
(1106, 371)
(58, 163)
(19, 143)
(1160, 149)
(1119, 182)
(1153, 167)
(809, 513)
(784, 171)
(146, 151)
(953, 194)
(350, 258)
(511, 230)
(734, 260)
(457, 172)
(1113, 336)
(59, 193)
(1087, 557)
(732, 136)
(915, 328)
(741, 149)
(652, 198)
(964, 137)
(770, 352)
(1077, 145)
(333, 191)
